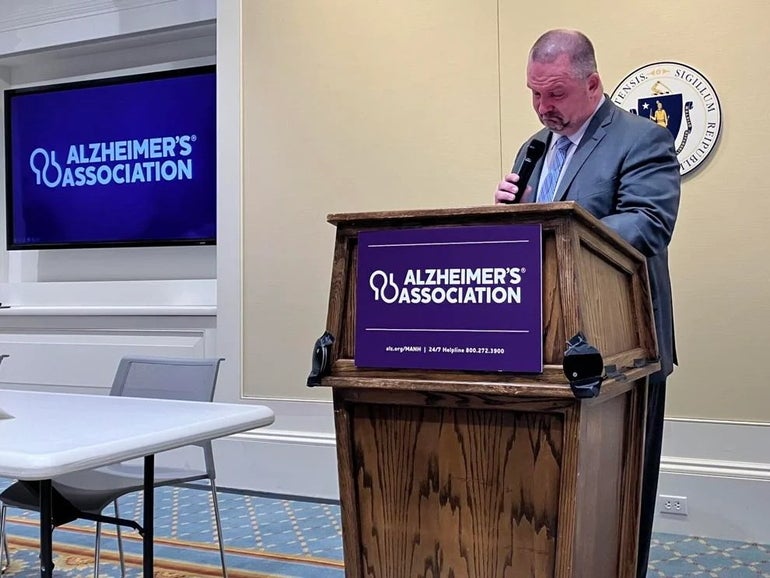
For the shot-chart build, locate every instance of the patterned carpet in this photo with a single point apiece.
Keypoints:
(269, 537)
(264, 538)
(674, 556)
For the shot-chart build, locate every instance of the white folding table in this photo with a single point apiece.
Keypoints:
(56, 433)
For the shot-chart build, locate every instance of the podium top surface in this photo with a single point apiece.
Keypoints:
(498, 214)
(561, 208)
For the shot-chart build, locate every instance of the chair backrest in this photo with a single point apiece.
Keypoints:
(167, 378)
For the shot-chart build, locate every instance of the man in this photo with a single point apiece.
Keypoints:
(623, 169)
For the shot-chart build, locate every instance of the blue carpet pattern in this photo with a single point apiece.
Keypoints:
(274, 537)
(673, 556)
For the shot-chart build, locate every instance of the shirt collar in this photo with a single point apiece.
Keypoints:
(578, 136)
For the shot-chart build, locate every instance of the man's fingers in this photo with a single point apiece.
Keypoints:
(507, 189)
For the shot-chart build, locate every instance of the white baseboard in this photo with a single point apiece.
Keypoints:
(723, 469)
(279, 462)
(297, 455)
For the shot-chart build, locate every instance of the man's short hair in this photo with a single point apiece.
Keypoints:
(574, 44)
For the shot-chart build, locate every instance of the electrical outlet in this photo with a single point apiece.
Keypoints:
(672, 505)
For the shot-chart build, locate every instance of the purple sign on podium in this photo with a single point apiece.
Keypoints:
(457, 298)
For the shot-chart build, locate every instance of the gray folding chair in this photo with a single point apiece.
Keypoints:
(87, 493)
(4, 549)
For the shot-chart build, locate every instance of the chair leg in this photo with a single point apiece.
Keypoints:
(218, 521)
(4, 541)
(118, 531)
(97, 548)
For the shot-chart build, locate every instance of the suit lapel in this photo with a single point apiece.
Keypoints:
(593, 135)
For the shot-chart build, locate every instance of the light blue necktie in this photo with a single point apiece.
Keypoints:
(549, 185)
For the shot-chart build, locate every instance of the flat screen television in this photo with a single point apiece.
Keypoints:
(125, 161)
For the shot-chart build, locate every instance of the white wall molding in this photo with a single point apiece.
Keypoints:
(290, 438)
(168, 293)
(716, 468)
(30, 25)
(278, 464)
(35, 13)
(230, 200)
(78, 358)
(179, 48)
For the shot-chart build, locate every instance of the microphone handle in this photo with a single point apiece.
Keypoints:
(535, 150)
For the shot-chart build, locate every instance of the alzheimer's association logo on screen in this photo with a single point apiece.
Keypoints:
(148, 160)
(464, 298)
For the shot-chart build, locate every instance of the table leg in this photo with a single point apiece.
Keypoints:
(46, 530)
(149, 512)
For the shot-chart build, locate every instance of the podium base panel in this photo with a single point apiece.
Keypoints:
(527, 489)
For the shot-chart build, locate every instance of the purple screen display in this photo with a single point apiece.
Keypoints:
(128, 161)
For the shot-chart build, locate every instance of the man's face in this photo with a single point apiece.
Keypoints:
(562, 102)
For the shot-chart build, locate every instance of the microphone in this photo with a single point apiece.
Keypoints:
(535, 150)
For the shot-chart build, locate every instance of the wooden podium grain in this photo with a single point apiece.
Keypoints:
(498, 475)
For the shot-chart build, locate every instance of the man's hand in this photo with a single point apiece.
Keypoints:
(507, 190)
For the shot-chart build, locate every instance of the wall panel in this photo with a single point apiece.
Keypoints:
(349, 107)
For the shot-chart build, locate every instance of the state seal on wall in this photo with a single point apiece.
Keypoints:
(680, 99)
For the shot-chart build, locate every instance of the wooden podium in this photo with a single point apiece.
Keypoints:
(498, 475)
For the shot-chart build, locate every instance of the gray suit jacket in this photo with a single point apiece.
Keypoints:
(625, 172)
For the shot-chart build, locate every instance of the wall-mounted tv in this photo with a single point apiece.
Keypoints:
(126, 161)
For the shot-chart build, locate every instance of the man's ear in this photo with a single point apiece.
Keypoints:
(594, 82)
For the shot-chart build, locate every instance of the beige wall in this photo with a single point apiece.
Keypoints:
(373, 105)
